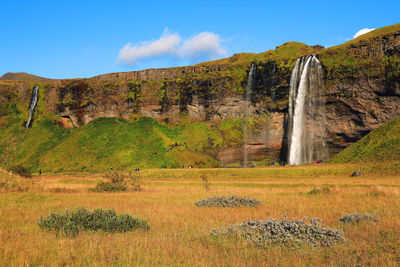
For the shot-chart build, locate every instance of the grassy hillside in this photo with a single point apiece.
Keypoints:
(382, 144)
(372, 34)
(21, 76)
(360, 56)
(117, 143)
(104, 143)
(287, 51)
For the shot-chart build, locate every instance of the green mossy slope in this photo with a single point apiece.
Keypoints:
(105, 143)
(382, 144)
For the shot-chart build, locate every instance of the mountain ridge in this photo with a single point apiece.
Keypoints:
(237, 58)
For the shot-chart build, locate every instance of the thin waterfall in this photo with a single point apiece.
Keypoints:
(32, 106)
(306, 131)
(247, 114)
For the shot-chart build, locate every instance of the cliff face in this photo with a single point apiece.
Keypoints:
(364, 94)
(362, 83)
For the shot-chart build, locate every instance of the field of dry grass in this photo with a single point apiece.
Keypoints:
(179, 233)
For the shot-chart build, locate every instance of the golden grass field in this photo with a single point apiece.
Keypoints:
(179, 234)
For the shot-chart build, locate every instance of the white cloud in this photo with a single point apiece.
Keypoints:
(167, 44)
(361, 32)
(205, 45)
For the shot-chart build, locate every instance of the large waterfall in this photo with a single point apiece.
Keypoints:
(32, 106)
(306, 132)
(247, 114)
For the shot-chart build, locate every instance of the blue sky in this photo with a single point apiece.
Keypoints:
(68, 39)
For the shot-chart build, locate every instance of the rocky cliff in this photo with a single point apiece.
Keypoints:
(362, 85)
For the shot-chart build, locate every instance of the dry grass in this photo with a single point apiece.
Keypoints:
(10, 182)
(179, 232)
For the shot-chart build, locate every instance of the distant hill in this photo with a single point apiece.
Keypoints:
(382, 144)
(21, 76)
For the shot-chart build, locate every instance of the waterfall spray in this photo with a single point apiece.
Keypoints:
(306, 133)
(247, 113)
(32, 106)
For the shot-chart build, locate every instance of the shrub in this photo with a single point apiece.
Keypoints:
(358, 218)
(206, 183)
(62, 190)
(71, 222)
(286, 232)
(117, 183)
(317, 191)
(21, 171)
(224, 201)
(114, 176)
(109, 187)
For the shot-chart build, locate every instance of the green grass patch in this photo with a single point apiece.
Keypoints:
(71, 222)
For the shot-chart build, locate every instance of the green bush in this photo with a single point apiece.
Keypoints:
(21, 171)
(71, 222)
